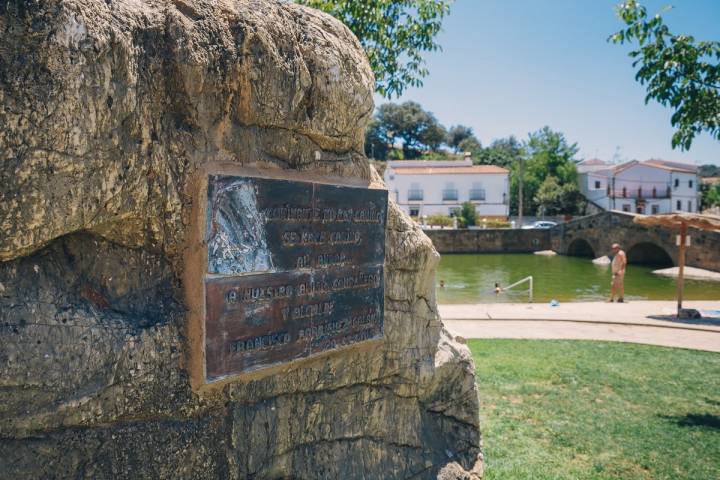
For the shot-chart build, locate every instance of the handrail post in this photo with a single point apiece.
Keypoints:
(531, 289)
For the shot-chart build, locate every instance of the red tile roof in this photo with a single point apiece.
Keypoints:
(449, 170)
(674, 166)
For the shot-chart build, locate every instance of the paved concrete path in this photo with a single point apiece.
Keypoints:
(638, 322)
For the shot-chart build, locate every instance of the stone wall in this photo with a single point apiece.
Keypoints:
(501, 240)
(106, 110)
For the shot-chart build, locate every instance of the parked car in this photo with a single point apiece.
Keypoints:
(540, 224)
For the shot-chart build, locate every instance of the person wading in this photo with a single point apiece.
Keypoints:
(619, 263)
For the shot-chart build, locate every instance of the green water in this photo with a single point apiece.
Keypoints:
(470, 278)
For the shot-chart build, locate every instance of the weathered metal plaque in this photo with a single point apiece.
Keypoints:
(294, 268)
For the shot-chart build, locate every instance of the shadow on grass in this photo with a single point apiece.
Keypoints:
(705, 420)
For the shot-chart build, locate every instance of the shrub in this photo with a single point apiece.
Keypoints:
(440, 220)
(492, 223)
(466, 215)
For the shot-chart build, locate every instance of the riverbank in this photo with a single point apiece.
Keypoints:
(644, 322)
(640, 312)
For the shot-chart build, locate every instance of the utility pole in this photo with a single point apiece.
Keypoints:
(520, 193)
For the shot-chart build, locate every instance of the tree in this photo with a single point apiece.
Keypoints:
(417, 129)
(465, 215)
(394, 34)
(503, 152)
(546, 154)
(376, 145)
(471, 145)
(549, 196)
(709, 171)
(710, 195)
(679, 72)
(457, 134)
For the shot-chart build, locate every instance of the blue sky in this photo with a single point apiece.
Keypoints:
(513, 66)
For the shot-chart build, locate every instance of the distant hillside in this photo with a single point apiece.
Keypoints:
(709, 171)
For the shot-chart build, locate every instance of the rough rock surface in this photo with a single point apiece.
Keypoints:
(106, 108)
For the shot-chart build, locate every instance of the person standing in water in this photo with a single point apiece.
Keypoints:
(619, 263)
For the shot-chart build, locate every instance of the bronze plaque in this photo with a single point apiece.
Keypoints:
(294, 268)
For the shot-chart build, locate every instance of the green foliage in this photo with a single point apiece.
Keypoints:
(554, 199)
(376, 145)
(710, 195)
(465, 215)
(547, 154)
(439, 220)
(439, 155)
(709, 171)
(417, 129)
(459, 134)
(492, 223)
(394, 34)
(503, 152)
(679, 71)
(472, 145)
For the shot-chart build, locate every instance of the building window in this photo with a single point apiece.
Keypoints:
(414, 212)
(626, 207)
(677, 182)
(690, 183)
(689, 205)
(477, 193)
(624, 193)
(415, 193)
(655, 209)
(654, 192)
(450, 193)
(597, 185)
(679, 205)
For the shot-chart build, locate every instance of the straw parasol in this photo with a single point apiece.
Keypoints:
(680, 221)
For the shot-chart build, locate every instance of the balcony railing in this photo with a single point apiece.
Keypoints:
(450, 194)
(477, 194)
(415, 194)
(662, 192)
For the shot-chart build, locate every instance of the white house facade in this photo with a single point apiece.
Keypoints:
(427, 187)
(649, 187)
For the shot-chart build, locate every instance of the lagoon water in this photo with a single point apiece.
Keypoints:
(470, 278)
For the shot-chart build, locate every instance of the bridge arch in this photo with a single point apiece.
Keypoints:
(649, 253)
(580, 247)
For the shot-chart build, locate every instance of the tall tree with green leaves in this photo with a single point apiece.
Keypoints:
(466, 215)
(457, 134)
(394, 33)
(503, 152)
(547, 154)
(678, 71)
(409, 124)
(710, 195)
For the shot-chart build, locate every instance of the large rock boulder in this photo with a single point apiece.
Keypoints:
(107, 107)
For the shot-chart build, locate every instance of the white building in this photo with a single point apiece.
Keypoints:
(427, 187)
(648, 187)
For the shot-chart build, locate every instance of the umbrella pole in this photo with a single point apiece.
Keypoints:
(681, 266)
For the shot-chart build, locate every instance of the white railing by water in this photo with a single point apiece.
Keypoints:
(519, 282)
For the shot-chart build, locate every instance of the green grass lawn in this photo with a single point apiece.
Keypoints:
(597, 410)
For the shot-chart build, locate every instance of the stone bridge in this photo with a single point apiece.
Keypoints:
(592, 237)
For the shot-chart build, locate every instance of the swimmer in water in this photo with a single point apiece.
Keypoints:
(442, 283)
(498, 289)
